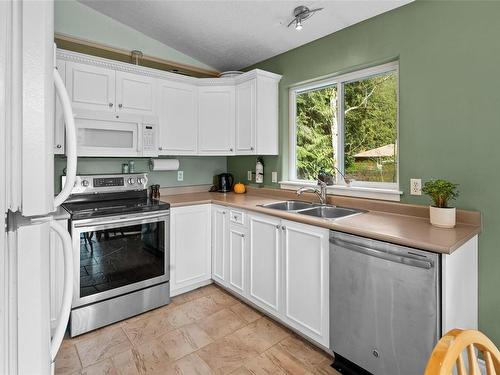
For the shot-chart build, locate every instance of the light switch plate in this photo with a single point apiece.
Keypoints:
(249, 175)
(415, 186)
(274, 177)
(180, 175)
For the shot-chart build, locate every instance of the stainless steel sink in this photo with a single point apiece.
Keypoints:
(290, 205)
(331, 212)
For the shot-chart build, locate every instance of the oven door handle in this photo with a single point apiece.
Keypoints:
(67, 296)
(120, 220)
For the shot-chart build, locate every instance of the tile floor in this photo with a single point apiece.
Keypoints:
(206, 331)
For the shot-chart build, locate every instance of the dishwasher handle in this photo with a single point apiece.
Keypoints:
(420, 263)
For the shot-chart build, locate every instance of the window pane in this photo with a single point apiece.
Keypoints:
(316, 121)
(370, 128)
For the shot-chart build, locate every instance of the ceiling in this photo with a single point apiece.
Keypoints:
(231, 35)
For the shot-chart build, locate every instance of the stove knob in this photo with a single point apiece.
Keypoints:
(131, 181)
(85, 183)
(140, 180)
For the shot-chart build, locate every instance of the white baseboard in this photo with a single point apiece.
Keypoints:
(176, 292)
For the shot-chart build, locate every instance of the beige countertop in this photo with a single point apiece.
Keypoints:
(400, 224)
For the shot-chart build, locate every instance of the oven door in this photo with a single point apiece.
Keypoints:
(118, 255)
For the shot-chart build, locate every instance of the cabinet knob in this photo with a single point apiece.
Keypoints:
(120, 105)
(242, 235)
(277, 227)
(223, 212)
(110, 105)
(230, 149)
(235, 217)
(59, 146)
(251, 148)
(283, 227)
(160, 148)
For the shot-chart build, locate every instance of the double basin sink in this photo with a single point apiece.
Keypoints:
(313, 209)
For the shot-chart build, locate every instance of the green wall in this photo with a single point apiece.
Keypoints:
(197, 170)
(78, 20)
(449, 55)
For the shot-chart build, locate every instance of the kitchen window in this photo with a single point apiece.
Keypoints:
(347, 125)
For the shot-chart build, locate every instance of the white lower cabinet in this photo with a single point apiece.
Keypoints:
(305, 279)
(220, 227)
(237, 250)
(264, 262)
(190, 259)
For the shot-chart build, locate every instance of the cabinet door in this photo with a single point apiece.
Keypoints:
(178, 111)
(264, 259)
(305, 279)
(59, 115)
(220, 228)
(237, 255)
(134, 93)
(190, 263)
(56, 270)
(267, 116)
(216, 120)
(245, 117)
(90, 87)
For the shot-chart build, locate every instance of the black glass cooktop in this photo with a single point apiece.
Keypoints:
(84, 207)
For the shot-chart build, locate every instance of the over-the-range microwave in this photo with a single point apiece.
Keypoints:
(111, 134)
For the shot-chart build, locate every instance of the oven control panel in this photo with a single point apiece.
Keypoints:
(95, 184)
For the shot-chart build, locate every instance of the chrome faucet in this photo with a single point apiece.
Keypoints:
(321, 192)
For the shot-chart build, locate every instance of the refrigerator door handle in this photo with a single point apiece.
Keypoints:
(67, 296)
(70, 127)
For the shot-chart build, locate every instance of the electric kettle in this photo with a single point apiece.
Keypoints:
(224, 182)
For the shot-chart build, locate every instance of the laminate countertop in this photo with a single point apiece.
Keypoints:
(397, 223)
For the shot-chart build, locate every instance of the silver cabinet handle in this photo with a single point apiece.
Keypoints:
(110, 105)
(120, 105)
(59, 146)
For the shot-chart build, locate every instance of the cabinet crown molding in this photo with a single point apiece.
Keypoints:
(137, 69)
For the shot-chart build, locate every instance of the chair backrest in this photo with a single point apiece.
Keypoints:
(448, 352)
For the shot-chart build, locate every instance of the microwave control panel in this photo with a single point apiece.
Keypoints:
(148, 137)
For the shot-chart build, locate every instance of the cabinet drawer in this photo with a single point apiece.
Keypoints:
(237, 217)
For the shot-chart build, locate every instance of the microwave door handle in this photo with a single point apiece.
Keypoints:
(69, 122)
(67, 296)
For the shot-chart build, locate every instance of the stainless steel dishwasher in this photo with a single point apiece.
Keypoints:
(384, 305)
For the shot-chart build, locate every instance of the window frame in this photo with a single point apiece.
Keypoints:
(356, 188)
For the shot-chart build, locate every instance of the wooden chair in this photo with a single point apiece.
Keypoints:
(448, 352)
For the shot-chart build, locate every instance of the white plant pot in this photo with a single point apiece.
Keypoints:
(443, 217)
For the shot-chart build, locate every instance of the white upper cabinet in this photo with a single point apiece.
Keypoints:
(134, 93)
(216, 120)
(90, 87)
(245, 117)
(267, 114)
(178, 115)
(59, 133)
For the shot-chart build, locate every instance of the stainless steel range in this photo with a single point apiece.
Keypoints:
(121, 250)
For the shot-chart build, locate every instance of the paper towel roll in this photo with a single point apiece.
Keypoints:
(164, 164)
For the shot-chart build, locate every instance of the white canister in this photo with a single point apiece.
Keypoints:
(259, 172)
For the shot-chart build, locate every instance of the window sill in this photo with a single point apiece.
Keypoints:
(350, 191)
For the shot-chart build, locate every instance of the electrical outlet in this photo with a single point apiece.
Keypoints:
(249, 175)
(415, 186)
(180, 175)
(274, 177)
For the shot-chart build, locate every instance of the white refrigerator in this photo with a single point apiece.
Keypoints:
(29, 83)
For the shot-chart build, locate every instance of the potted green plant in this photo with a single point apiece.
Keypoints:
(441, 193)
